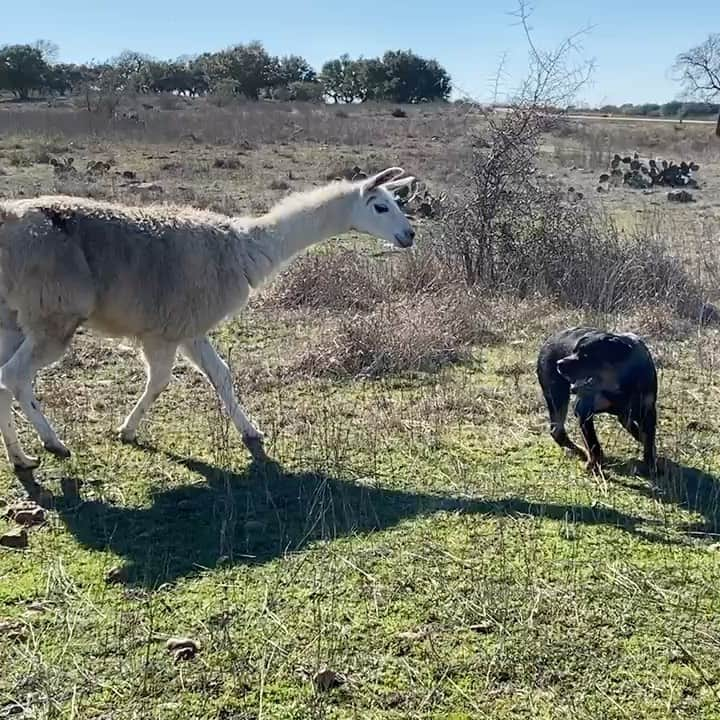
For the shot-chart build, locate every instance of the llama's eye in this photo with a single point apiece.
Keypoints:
(381, 208)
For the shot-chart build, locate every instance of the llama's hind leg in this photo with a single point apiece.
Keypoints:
(10, 341)
(36, 351)
(203, 355)
(159, 358)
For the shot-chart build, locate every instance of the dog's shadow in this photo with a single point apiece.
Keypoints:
(682, 485)
(266, 512)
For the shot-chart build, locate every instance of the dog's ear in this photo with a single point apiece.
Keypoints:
(589, 343)
(619, 347)
(623, 340)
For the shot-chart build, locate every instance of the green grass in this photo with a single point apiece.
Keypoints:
(421, 535)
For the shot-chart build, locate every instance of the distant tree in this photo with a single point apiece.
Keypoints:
(158, 76)
(62, 79)
(699, 71)
(129, 71)
(162, 76)
(341, 79)
(210, 68)
(412, 79)
(671, 109)
(249, 67)
(294, 69)
(23, 70)
(372, 79)
(299, 92)
(48, 49)
(399, 76)
(699, 108)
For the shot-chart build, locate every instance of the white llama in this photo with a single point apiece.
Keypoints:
(162, 275)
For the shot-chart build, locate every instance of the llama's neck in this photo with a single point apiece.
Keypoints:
(293, 226)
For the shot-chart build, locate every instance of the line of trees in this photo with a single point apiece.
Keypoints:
(244, 70)
(672, 109)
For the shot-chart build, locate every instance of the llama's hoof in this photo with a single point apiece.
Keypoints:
(255, 444)
(25, 463)
(127, 437)
(59, 450)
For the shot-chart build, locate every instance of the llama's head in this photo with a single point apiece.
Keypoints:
(376, 211)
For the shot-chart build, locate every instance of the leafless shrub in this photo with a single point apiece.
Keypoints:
(227, 163)
(279, 185)
(348, 279)
(532, 241)
(415, 334)
(341, 280)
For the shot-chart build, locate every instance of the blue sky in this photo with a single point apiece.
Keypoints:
(633, 41)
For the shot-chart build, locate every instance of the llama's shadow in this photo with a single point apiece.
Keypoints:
(680, 485)
(264, 513)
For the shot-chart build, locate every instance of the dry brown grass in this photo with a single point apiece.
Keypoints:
(266, 122)
(591, 144)
(420, 333)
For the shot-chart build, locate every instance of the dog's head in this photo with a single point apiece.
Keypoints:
(595, 360)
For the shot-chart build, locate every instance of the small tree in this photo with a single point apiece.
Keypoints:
(22, 70)
(400, 76)
(671, 109)
(412, 79)
(699, 71)
(305, 91)
(341, 79)
(250, 67)
(62, 78)
(295, 69)
(130, 71)
(372, 79)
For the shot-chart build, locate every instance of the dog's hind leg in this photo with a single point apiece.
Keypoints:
(646, 425)
(642, 427)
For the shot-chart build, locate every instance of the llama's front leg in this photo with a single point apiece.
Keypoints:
(17, 375)
(204, 356)
(159, 358)
(15, 453)
(10, 340)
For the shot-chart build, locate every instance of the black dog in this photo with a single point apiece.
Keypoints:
(608, 373)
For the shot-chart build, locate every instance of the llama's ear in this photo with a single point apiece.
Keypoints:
(394, 185)
(386, 176)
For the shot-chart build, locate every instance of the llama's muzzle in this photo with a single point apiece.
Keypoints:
(405, 239)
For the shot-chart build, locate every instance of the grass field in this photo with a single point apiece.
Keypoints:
(416, 533)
